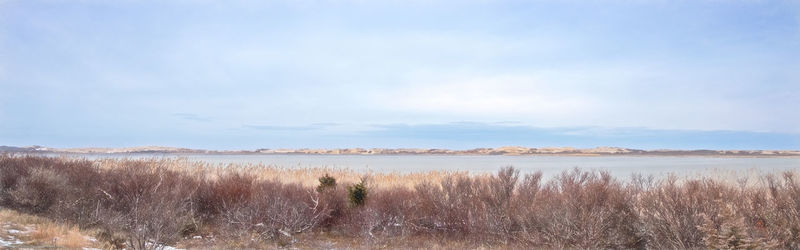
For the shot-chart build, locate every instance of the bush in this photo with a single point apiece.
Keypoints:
(38, 191)
(228, 191)
(357, 193)
(326, 182)
(588, 209)
(275, 212)
(146, 203)
(730, 232)
(11, 170)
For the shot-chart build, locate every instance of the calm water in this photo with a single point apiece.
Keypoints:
(619, 166)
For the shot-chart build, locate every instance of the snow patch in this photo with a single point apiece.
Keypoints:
(10, 242)
(164, 247)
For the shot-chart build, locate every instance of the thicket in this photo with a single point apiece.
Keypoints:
(142, 204)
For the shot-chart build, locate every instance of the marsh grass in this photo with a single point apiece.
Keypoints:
(152, 203)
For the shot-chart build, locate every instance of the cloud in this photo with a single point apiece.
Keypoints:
(309, 127)
(281, 128)
(192, 117)
(326, 124)
(485, 96)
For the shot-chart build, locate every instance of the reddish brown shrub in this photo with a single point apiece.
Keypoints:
(37, 191)
(227, 191)
(587, 210)
(151, 205)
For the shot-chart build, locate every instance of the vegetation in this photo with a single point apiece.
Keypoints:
(325, 183)
(357, 193)
(37, 232)
(143, 204)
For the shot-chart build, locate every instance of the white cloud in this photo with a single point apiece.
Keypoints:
(503, 95)
(622, 95)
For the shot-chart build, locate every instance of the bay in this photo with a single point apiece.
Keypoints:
(618, 166)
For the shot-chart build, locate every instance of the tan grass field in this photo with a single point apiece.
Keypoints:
(303, 175)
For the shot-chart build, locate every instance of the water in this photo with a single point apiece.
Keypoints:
(618, 166)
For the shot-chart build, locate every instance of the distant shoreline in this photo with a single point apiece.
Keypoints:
(504, 151)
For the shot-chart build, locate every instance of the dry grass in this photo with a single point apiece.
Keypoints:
(306, 176)
(38, 231)
(59, 236)
(14, 217)
(150, 203)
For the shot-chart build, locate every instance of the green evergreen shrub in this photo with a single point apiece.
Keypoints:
(357, 193)
(326, 182)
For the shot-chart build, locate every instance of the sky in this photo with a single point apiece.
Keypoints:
(391, 74)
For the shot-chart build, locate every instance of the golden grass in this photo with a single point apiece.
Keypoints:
(306, 176)
(45, 232)
(14, 217)
(59, 235)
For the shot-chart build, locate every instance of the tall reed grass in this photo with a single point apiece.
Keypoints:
(144, 204)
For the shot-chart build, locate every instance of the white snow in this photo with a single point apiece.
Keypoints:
(10, 242)
(164, 247)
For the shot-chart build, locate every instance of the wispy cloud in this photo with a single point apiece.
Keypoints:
(281, 128)
(192, 117)
(326, 124)
(309, 127)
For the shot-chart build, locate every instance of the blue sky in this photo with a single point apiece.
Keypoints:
(445, 74)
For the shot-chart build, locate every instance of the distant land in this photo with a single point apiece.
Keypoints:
(508, 150)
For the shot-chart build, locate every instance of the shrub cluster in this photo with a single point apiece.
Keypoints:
(143, 204)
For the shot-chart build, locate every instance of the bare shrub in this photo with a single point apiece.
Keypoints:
(153, 203)
(777, 210)
(496, 196)
(449, 208)
(386, 214)
(79, 198)
(227, 191)
(730, 232)
(38, 191)
(63, 187)
(587, 210)
(290, 208)
(527, 210)
(336, 201)
(672, 213)
(146, 203)
(273, 211)
(11, 170)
